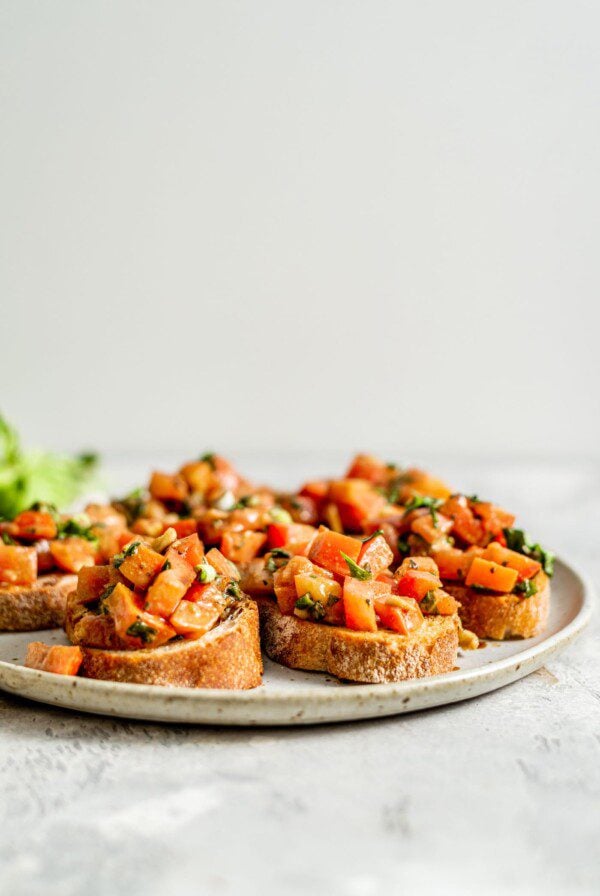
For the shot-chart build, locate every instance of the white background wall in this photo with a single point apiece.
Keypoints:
(301, 224)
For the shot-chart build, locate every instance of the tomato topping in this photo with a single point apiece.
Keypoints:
(492, 576)
(135, 627)
(356, 501)
(223, 566)
(140, 564)
(452, 563)
(72, 554)
(190, 548)
(327, 548)
(183, 527)
(18, 565)
(33, 524)
(416, 583)
(465, 525)
(56, 658)
(401, 615)
(167, 488)
(525, 566)
(375, 555)
(359, 603)
(195, 619)
(239, 547)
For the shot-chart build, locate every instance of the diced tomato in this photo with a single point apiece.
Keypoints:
(57, 658)
(326, 591)
(421, 483)
(525, 566)
(494, 518)
(92, 581)
(167, 488)
(439, 602)
(190, 548)
(150, 528)
(317, 490)
(401, 615)
(277, 534)
(32, 524)
(375, 555)
(431, 529)
(183, 527)
(492, 576)
(18, 565)
(415, 583)
(198, 592)
(326, 550)
(367, 466)
(239, 547)
(141, 565)
(284, 583)
(223, 566)
(359, 603)
(164, 594)
(300, 538)
(356, 501)
(425, 564)
(197, 475)
(135, 627)
(72, 554)
(194, 619)
(452, 563)
(465, 524)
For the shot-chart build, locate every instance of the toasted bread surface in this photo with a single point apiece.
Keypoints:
(501, 616)
(374, 657)
(228, 656)
(25, 608)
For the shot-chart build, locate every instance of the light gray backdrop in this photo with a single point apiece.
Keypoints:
(301, 224)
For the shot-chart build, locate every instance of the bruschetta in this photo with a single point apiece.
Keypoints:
(41, 552)
(338, 608)
(164, 612)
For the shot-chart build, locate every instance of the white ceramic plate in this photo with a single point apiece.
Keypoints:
(288, 697)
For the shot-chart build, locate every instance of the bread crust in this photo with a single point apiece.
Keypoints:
(368, 657)
(228, 656)
(25, 608)
(502, 616)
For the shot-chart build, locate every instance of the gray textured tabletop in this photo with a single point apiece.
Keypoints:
(495, 795)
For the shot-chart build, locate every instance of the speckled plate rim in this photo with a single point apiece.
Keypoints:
(300, 704)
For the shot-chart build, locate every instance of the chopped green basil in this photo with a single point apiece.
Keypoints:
(356, 571)
(518, 540)
(372, 535)
(526, 588)
(141, 630)
(118, 559)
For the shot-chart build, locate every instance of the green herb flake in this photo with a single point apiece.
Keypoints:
(526, 588)
(129, 551)
(233, 590)
(518, 540)
(372, 535)
(356, 571)
(422, 501)
(141, 630)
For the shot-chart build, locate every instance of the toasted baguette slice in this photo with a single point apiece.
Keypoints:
(359, 656)
(25, 608)
(228, 656)
(501, 616)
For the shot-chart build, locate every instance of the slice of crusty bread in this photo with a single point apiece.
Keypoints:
(25, 608)
(228, 656)
(500, 616)
(359, 656)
